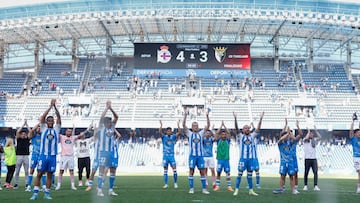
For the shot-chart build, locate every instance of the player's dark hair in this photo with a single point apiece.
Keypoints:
(47, 118)
(106, 119)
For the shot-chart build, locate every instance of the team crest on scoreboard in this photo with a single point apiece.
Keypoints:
(163, 55)
(220, 53)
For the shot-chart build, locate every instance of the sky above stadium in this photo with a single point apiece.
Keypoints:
(7, 3)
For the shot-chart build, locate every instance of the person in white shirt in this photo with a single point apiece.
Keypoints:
(83, 154)
(310, 142)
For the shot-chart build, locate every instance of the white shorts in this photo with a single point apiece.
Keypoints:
(209, 162)
(67, 162)
(357, 163)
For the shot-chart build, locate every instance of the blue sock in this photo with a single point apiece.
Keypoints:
(29, 180)
(191, 181)
(100, 180)
(165, 177)
(47, 191)
(203, 182)
(238, 180)
(111, 181)
(90, 183)
(43, 180)
(175, 176)
(217, 182)
(36, 190)
(249, 179)
(258, 178)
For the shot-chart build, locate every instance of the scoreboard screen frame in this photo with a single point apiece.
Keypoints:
(234, 56)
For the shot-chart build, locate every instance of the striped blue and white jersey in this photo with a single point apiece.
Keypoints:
(49, 140)
(208, 146)
(195, 142)
(116, 148)
(256, 141)
(168, 143)
(246, 145)
(106, 139)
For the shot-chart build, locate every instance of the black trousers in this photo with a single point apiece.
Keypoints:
(10, 173)
(84, 163)
(311, 163)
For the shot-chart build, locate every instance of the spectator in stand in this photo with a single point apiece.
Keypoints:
(52, 86)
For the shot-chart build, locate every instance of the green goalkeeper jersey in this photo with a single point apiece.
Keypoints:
(223, 149)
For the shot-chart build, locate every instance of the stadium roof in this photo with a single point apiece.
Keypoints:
(329, 26)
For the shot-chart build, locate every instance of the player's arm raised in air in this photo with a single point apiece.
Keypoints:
(236, 123)
(227, 131)
(318, 135)
(283, 136)
(184, 120)
(285, 126)
(20, 129)
(259, 123)
(32, 130)
(351, 132)
(300, 132)
(160, 129)
(179, 131)
(218, 132)
(58, 117)
(307, 134)
(207, 121)
(43, 116)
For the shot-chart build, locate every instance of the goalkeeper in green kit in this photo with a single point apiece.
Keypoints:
(222, 138)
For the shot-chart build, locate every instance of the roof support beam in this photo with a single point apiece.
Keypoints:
(107, 31)
(277, 31)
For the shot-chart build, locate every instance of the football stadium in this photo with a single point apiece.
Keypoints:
(180, 101)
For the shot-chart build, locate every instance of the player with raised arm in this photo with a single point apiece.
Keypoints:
(196, 156)
(246, 144)
(209, 162)
(48, 149)
(355, 142)
(67, 143)
(293, 149)
(107, 141)
(256, 159)
(287, 139)
(35, 137)
(95, 162)
(168, 141)
(222, 137)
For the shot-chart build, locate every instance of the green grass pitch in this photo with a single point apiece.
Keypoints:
(135, 189)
